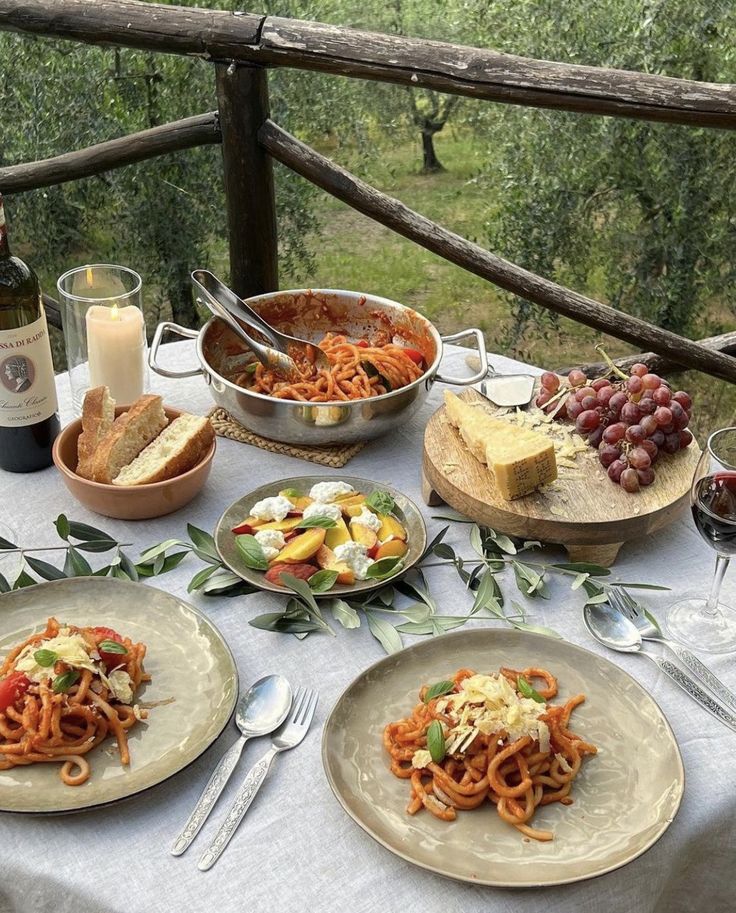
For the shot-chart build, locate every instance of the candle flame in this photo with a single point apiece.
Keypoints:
(114, 312)
(89, 277)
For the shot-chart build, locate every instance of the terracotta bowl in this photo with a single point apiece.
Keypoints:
(130, 502)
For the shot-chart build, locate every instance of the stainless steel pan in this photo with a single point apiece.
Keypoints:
(309, 314)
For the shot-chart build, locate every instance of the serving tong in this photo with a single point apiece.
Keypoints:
(225, 304)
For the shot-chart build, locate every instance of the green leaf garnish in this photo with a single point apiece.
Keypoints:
(62, 683)
(372, 371)
(438, 689)
(381, 502)
(316, 521)
(45, 657)
(526, 690)
(384, 567)
(111, 646)
(251, 551)
(322, 581)
(291, 493)
(436, 741)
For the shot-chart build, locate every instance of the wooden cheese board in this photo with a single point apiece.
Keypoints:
(583, 510)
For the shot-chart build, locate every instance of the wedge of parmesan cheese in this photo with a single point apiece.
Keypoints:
(520, 460)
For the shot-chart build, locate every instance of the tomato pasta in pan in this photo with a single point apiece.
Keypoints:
(478, 738)
(63, 691)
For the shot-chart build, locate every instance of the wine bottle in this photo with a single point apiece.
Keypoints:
(28, 407)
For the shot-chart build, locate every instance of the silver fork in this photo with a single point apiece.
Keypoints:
(650, 630)
(288, 736)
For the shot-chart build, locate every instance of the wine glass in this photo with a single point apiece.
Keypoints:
(707, 624)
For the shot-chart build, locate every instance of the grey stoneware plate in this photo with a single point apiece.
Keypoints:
(193, 673)
(406, 512)
(625, 797)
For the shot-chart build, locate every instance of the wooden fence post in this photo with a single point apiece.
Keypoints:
(242, 93)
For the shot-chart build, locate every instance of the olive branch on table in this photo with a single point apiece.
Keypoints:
(405, 606)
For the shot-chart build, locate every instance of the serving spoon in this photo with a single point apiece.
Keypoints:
(612, 629)
(261, 710)
(208, 283)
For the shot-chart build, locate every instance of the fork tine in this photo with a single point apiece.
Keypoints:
(310, 708)
(618, 603)
(297, 703)
(629, 600)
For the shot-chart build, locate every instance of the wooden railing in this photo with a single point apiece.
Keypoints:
(242, 46)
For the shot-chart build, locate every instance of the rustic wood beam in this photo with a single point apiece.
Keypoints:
(242, 94)
(724, 342)
(124, 150)
(474, 72)
(395, 215)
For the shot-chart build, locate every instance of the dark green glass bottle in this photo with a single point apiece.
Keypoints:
(28, 408)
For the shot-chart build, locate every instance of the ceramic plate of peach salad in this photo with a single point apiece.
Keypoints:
(339, 533)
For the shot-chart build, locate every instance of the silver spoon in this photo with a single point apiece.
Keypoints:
(208, 282)
(615, 631)
(263, 708)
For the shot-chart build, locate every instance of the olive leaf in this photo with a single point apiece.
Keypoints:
(384, 632)
(204, 543)
(344, 613)
(76, 565)
(281, 622)
(44, 569)
(149, 570)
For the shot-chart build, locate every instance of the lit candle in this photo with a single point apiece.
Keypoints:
(115, 346)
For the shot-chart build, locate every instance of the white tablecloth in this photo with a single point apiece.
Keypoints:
(297, 850)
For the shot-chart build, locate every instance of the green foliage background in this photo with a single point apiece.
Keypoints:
(639, 215)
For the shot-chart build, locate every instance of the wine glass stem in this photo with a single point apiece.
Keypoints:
(711, 606)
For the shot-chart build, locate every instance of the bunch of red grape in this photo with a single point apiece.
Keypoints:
(630, 422)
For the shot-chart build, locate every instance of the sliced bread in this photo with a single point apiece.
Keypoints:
(178, 448)
(130, 433)
(98, 414)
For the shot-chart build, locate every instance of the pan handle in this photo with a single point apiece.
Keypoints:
(157, 340)
(482, 357)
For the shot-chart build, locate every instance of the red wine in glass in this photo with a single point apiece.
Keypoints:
(714, 511)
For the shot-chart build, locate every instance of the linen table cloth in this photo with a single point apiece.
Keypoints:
(296, 849)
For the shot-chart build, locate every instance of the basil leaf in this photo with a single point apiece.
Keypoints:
(252, 552)
(372, 371)
(111, 646)
(316, 521)
(291, 493)
(436, 741)
(63, 682)
(45, 657)
(384, 567)
(381, 502)
(250, 368)
(438, 689)
(527, 691)
(322, 581)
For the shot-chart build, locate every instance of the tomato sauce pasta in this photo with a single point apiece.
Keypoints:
(357, 370)
(63, 691)
(480, 738)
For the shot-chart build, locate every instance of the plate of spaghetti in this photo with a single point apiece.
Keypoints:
(106, 688)
(504, 758)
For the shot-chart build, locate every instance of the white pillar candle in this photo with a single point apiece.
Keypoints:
(115, 346)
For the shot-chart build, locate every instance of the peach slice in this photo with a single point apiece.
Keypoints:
(283, 526)
(301, 548)
(247, 526)
(327, 560)
(352, 501)
(363, 535)
(390, 528)
(337, 535)
(394, 548)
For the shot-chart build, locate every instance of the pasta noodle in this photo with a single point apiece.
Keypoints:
(357, 371)
(498, 741)
(63, 691)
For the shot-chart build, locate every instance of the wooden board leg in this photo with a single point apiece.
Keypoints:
(429, 495)
(604, 555)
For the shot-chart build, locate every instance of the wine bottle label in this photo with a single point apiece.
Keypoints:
(27, 387)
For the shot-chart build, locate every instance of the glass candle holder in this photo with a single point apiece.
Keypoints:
(104, 331)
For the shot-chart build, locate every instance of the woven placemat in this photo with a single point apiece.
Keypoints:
(335, 456)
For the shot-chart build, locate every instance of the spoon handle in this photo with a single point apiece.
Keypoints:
(681, 678)
(209, 797)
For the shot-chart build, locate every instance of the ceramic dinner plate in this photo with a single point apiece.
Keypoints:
(187, 658)
(406, 511)
(624, 799)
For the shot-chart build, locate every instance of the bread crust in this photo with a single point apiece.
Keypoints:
(187, 456)
(98, 415)
(131, 432)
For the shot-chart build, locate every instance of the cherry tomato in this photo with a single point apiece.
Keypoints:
(362, 344)
(415, 355)
(109, 659)
(12, 688)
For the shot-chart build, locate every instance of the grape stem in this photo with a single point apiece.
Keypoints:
(612, 368)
